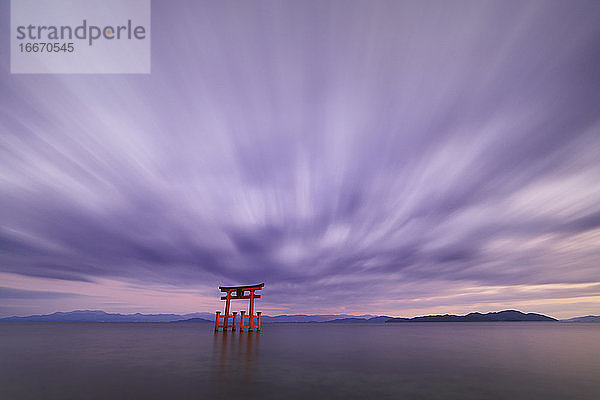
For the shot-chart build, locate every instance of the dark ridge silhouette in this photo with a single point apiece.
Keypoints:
(500, 316)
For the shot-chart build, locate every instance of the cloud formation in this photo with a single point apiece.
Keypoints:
(405, 156)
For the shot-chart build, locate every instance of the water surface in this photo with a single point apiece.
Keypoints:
(512, 360)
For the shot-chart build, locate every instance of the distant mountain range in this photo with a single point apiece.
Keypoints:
(101, 316)
(506, 316)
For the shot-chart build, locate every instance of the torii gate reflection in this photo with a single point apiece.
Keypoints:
(235, 359)
(253, 320)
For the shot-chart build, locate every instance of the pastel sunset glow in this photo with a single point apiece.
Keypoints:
(400, 159)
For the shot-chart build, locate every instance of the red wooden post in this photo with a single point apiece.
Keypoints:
(225, 324)
(258, 320)
(251, 311)
(217, 320)
(242, 320)
(234, 318)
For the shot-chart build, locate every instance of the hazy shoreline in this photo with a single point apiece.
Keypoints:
(101, 316)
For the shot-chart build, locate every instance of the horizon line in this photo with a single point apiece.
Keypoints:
(290, 315)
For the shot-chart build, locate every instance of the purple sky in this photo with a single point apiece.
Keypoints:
(398, 158)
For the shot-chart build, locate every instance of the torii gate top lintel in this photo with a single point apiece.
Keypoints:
(258, 286)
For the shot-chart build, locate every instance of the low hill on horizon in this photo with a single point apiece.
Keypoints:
(357, 320)
(309, 318)
(499, 316)
(194, 320)
(587, 318)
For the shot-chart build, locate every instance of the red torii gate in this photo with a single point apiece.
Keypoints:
(239, 295)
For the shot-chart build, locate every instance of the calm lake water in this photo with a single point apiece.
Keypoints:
(300, 361)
